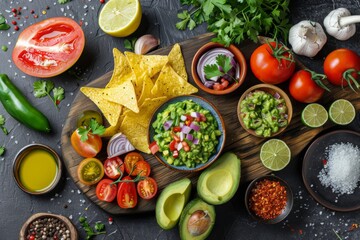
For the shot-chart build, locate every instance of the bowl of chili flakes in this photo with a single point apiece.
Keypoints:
(269, 199)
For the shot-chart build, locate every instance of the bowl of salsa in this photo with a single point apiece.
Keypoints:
(217, 69)
(187, 133)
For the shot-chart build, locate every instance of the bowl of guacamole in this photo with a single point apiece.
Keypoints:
(187, 133)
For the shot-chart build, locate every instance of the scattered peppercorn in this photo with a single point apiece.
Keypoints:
(14, 10)
(14, 22)
(268, 199)
(32, 11)
(47, 7)
(47, 228)
(35, 16)
(16, 28)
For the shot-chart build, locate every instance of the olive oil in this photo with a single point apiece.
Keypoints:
(37, 170)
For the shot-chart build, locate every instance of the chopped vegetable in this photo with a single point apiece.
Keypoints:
(90, 232)
(118, 145)
(95, 128)
(43, 88)
(2, 123)
(235, 21)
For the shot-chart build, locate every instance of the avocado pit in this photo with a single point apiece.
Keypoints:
(199, 222)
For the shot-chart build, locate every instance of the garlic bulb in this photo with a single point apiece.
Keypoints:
(307, 38)
(340, 24)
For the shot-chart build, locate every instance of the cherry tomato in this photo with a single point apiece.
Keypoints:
(106, 191)
(127, 196)
(113, 167)
(48, 48)
(218, 87)
(271, 64)
(90, 171)
(154, 147)
(147, 188)
(89, 148)
(141, 167)
(340, 61)
(303, 87)
(130, 160)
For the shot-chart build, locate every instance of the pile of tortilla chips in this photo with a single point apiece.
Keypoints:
(138, 86)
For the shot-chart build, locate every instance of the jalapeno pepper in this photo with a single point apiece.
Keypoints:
(20, 108)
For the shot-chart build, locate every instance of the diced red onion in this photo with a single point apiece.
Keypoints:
(196, 141)
(195, 114)
(181, 124)
(118, 145)
(194, 126)
(186, 129)
(277, 95)
(209, 84)
(179, 146)
(182, 136)
(189, 137)
(183, 118)
(168, 124)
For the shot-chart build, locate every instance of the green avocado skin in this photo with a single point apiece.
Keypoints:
(229, 162)
(20, 108)
(190, 208)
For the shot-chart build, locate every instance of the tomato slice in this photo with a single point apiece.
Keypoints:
(106, 191)
(141, 167)
(127, 196)
(86, 116)
(90, 148)
(50, 47)
(90, 171)
(113, 167)
(154, 147)
(147, 188)
(130, 160)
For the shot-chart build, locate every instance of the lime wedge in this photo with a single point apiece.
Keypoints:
(275, 154)
(120, 18)
(342, 112)
(314, 115)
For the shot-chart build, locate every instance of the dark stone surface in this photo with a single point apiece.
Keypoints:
(308, 219)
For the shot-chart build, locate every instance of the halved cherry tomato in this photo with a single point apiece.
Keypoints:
(130, 160)
(90, 148)
(154, 147)
(127, 196)
(106, 191)
(172, 145)
(147, 188)
(50, 47)
(141, 167)
(90, 171)
(113, 167)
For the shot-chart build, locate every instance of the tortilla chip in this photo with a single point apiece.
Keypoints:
(176, 61)
(141, 143)
(112, 130)
(136, 134)
(146, 90)
(170, 84)
(111, 110)
(145, 64)
(122, 70)
(123, 94)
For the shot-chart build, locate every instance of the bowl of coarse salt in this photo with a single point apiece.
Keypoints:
(331, 170)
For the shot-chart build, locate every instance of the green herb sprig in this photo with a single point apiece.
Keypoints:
(94, 127)
(234, 21)
(223, 62)
(99, 228)
(3, 24)
(2, 150)
(2, 123)
(63, 1)
(43, 88)
(130, 44)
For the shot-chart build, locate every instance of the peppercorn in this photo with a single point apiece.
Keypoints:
(47, 228)
(16, 28)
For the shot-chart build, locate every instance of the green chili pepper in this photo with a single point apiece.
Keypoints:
(19, 107)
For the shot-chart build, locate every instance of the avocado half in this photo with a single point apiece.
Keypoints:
(171, 202)
(197, 220)
(219, 183)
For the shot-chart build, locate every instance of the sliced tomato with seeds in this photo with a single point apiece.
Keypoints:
(130, 160)
(113, 167)
(147, 188)
(106, 190)
(127, 196)
(141, 168)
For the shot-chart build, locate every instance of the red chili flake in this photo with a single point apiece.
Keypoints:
(32, 11)
(354, 226)
(110, 220)
(26, 17)
(47, 7)
(102, 1)
(14, 10)
(36, 16)
(16, 28)
(15, 15)
(57, 102)
(14, 22)
(18, 18)
(324, 161)
(80, 23)
(300, 231)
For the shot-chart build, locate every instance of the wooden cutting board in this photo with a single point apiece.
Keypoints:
(246, 146)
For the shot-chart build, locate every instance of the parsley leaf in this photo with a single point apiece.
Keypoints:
(221, 68)
(2, 123)
(2, 150)
(90, 232)
(94, 128)
(43, 88)
(3, 24)
(130, 44)
(63, 1)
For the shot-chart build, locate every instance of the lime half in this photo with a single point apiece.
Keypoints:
(314, 115)
(275, 154)
(342, 112)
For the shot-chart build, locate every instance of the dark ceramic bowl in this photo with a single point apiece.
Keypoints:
(313, 164)
(238, 56)
(286, 210)
(205, 104)
(19, 158)
(269, 89)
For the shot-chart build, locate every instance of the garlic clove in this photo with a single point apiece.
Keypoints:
(145, 44)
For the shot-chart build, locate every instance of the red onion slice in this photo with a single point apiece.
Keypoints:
(119, 145)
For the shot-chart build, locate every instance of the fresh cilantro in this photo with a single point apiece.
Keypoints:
(3, 24)
(235, 21)
(2, 123)
(94, 128)
(90, 232)
(130, 44)
(221, 68)
(43, 88)
(63, 1)
(2, 150)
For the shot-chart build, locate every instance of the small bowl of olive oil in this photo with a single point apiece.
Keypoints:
(37, 169)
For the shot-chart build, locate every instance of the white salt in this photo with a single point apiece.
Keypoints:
(342, 171)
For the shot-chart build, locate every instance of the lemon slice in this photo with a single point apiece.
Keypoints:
(120, 18)
(342, 112)
(314, 115)
(275, 154)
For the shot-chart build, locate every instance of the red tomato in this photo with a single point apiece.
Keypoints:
(338, 62)
(177, 129)
(271, 64)
(127, 196)
(89, 148)
(141, 167)
(106, 191)
(130, 160)
(113, 167)
(147, 188)
(303, 87)
(48, 48)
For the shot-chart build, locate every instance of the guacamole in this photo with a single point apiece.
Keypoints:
(186, 133)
